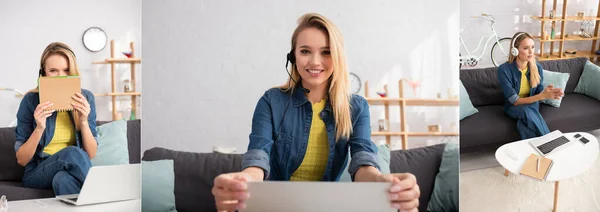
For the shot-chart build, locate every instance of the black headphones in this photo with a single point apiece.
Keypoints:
(42, 73)
(292, 59)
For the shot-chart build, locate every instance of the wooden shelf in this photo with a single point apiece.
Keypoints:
(580, 53)
(578, 38)
(556, 39)
(569, 38)
(383, 101)
(413, 102)
(539, 18)
(585, 18)
(432, 102)
(114, 93)
(568, 18)
(403, 103)
(423, 134)
(559, 41)
(415, 134)
(119, 60)
(120, 94)
(387, 133)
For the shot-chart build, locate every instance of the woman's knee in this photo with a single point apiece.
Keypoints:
(76, 155)
(61, 178)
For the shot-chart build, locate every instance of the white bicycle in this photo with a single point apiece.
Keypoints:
(18, 94)
(500, 50)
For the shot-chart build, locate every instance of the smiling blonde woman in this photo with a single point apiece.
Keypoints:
(302, 131)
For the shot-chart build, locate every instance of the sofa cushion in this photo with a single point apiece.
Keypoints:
(10, 170)
(466, 108)
(589, 83)
(424, 163)
(445, 191)
(482, 86)
(14, 190)
(577, 112)
(158, 185)
(489, 126)
(112, 144)
(557, 80)
(194, 175)
(573, 66)
(384, 163)
(133, 139)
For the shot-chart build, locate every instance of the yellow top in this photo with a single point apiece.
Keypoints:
(525, 86)
(314, 162)
(64, 134)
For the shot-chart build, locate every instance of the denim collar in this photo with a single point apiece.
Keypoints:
(300, 99)
(515, 68)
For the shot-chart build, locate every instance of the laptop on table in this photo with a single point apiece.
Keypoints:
(108, 184)
(550, 143)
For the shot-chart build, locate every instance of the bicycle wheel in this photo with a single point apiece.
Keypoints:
(498, 55)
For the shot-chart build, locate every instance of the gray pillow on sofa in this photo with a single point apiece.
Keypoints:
(558, 80)
(445, 191)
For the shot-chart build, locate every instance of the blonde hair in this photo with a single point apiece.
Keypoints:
(534, 78)
(58, 48)
(338, 93)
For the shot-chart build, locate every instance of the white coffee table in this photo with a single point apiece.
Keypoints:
(55, 205)
(568, 162)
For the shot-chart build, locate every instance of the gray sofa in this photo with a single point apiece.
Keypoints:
(195, 172)
(491, 128)
(11, 173)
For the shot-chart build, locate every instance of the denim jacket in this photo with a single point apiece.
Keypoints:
(26, 124)
(509, 77)
(278, 147)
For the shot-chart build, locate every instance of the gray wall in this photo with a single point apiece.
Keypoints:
(28, 27)
(208, 62)
(514, 16)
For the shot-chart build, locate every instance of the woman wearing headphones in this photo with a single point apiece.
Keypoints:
(521, 82)
(56, 147)
(301, 131)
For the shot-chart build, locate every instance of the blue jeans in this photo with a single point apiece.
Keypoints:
(530, 122)
(64, 171)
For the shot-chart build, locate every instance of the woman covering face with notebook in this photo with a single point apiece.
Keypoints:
(55, 147)
(304, 129)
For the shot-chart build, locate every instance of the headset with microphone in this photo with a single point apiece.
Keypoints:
(292, 59)
(514, 51)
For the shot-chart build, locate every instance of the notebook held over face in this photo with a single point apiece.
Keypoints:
(59, 91)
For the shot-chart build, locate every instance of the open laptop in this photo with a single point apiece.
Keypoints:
(550, 143)
(108, 184)
(318, 196)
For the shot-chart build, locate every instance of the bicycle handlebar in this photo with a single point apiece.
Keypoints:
(19, 93)
(486, 16)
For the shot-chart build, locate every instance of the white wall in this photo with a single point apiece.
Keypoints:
(208, 62)
(28, 27)
(514, 16)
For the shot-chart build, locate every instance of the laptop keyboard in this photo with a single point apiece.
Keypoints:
(551, 145)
